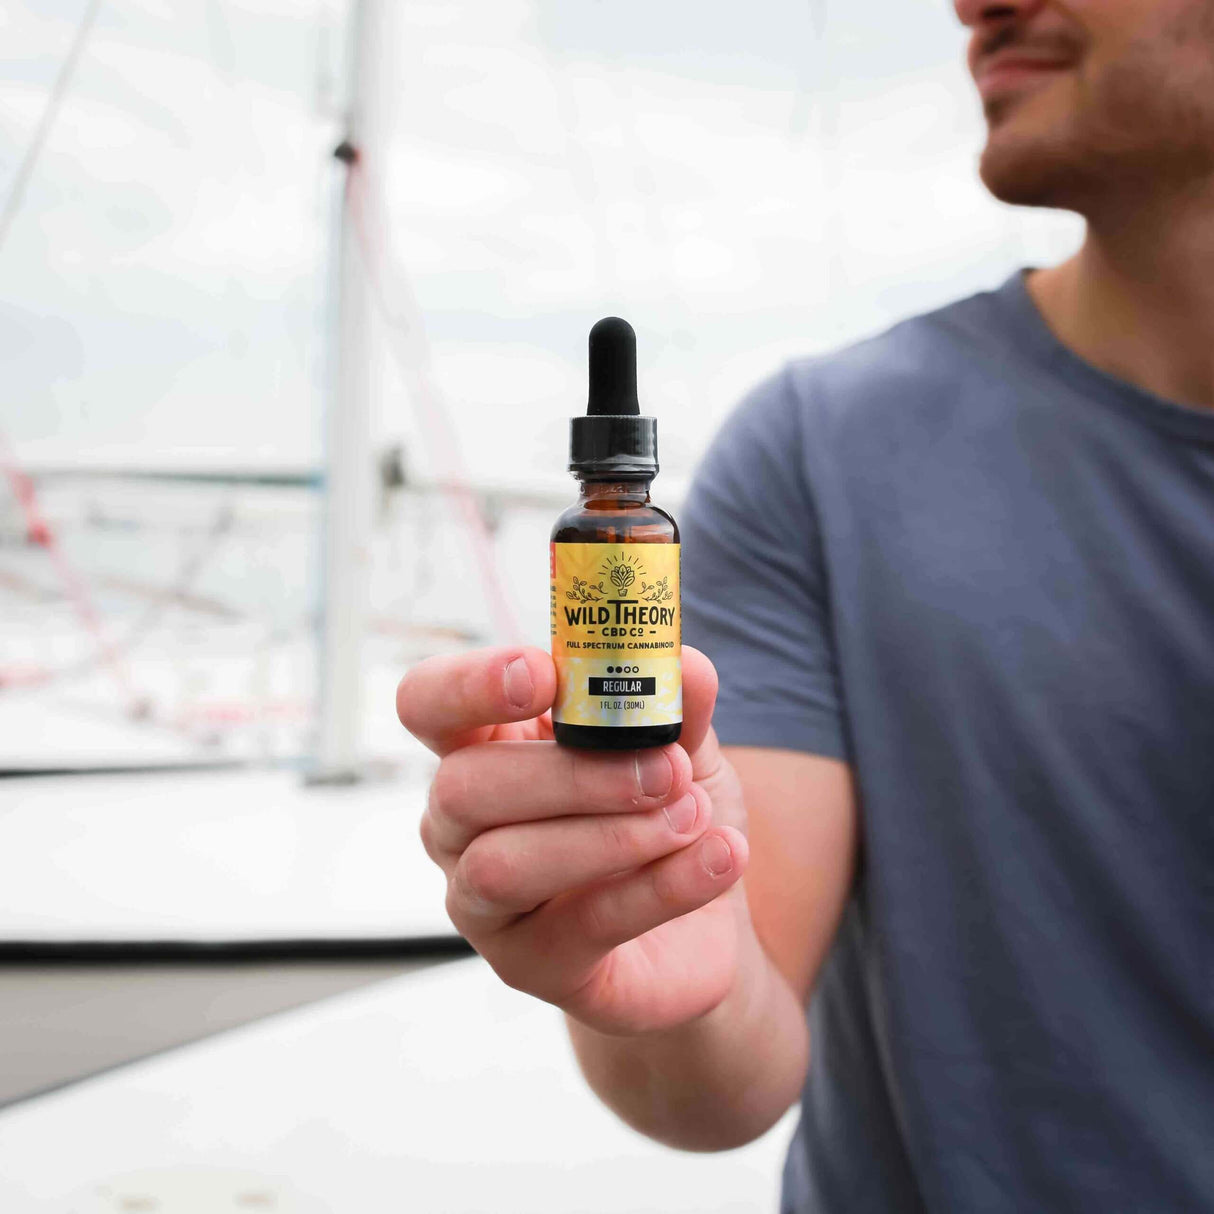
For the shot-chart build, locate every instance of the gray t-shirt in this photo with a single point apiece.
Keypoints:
(981, 570)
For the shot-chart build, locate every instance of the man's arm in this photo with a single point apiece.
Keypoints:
(804, 836)
(725, 1078)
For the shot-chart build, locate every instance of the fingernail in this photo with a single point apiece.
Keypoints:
(654, 773)
(518, 684)
(718, 859)
(682, 814)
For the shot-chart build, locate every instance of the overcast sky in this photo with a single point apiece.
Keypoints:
(745, 183)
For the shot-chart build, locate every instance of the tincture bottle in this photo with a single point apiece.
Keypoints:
(614, 564)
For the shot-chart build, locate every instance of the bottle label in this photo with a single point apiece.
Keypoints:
(616, 634)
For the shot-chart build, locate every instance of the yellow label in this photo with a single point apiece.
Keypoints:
(616, 633)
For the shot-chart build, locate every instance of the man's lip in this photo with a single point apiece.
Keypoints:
(1003, 72)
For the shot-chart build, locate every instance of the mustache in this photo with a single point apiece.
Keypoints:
(1055, 44)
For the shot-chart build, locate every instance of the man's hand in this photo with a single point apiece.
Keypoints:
(605, 883)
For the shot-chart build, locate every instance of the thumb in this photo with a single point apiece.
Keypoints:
(699, 698)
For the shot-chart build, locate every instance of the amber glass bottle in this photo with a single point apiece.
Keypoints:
(616, 623)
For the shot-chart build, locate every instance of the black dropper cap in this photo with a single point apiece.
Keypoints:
(613, 437)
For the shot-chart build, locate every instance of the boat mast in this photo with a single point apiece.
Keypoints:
(348, 466)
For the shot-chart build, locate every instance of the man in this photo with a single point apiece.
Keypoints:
(959, 584)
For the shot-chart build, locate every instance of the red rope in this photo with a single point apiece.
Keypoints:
(39, 531)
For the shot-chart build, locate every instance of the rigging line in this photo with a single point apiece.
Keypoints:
(16, 194)
(175, 591)
(363, 207)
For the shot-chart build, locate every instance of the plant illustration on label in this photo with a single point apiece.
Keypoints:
(622, 577)
(585, 593)
(659, 592)
(622, 570)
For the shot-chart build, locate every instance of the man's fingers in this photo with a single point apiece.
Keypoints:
(576, 932)
(493, 784)
(511, 870)
(455, 699)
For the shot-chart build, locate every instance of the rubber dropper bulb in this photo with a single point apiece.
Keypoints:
(612, 438)
(613, 369)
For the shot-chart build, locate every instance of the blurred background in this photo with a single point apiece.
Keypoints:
(278, 422)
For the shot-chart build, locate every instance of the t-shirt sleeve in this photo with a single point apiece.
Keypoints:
(755, 597)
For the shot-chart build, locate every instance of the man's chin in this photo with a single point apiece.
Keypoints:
(1023, 169)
